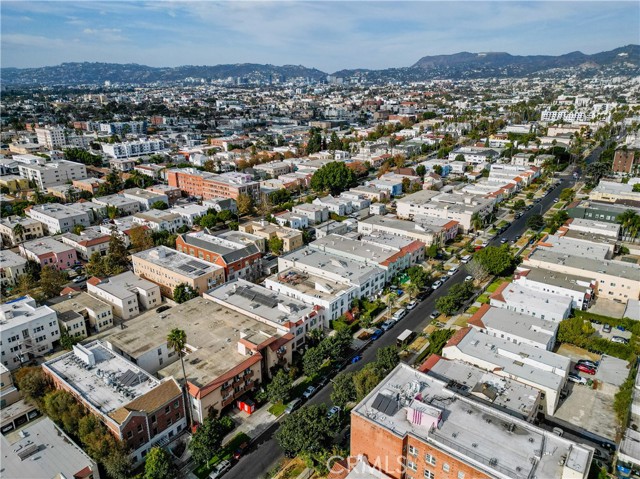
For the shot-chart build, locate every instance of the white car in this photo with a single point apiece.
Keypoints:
(333, 411)
(412, 304)
(436, 285)
(310, 391)
(468, 278)
(576, 378)
(398, 315)
(220, 470)
(452, 271)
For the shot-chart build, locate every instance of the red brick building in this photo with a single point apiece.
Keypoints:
(209, 185)
(623, 162)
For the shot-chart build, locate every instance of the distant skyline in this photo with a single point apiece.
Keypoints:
(328, 35)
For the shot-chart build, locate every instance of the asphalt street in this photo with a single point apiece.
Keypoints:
(266, 452)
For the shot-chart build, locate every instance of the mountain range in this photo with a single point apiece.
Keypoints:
(464, 65)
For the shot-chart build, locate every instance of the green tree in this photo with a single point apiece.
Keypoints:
(140, 238)
(224, 215)
(476, 221)
(312, 360)
(535, 222)
(636, 188)
(24, 284)
(177, 340)
(519, 205)
(275, 245)
(334, 177)
(307, 430)
(418, 275)
(459, 157)
(157, 464)
(18, 233)
(118, 463)
(386, 359)
(496, 260)
(245, 204)
(52, 280)
(567, 194)
(159, 205)
(432, 251)
(344, 390)
(183, 292)
(67, 341)
(437, 169)
(207, 439)
(339, 344)
(447, 305)
(77, 229)
(279, 388)
(421, 170)
(32, 383)
(335, 143)
(63, 409)
(365, 380)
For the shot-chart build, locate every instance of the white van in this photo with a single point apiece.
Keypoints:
(465, 259)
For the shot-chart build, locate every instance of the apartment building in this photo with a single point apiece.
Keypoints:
(424, 229)
(221, 204)
(128, 149)
(51, 137)
(292, 239)
(122, 164)
(28, 331)
(228, 354)
(49, 252)
(371, 193)
(31, 229)
(412, 425)
(579, 289)
(391, 256)
(12, 265)
(159, 220)
(513, 326)
(128, 294)
(171, 192)
(291, 220)
(512, 397)
(52, 173)
(9, 394)
(137, 408)
(88, 242)
(544, 305)
(274, 168)
(95, 315)
(474, 154)
(460, 208)
(527, 364)
(189, 213)
(599, 211)
(169, 268)
(315, 214)
(612, 192)
(58, 218)
(239, 260)
(624, 162)
(14, 183)
(90, 185)
(125, 206)
(615, 280)
(282, 312)
(146, 198)
(209, 185)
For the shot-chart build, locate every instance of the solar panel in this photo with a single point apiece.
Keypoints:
(259, 298)
(385, 404)
(186, 268)
(197, 264)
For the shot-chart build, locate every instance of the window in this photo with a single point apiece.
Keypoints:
(429, 474)
(139, 427)
(176, 405)
(412, 465)
(167, 410)
(460, 475)
(413, 451)
(129, 434)
(445, 467)
(429, 459)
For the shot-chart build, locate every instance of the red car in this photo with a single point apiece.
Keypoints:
(585, 369)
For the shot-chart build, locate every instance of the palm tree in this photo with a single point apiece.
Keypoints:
(630, 222)
(177, 340)
(412, 290)
(391, 301)
(18, 232)
(476, 221)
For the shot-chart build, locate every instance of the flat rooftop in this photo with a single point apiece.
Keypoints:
(502, 393)
(613, 188)
(350, 270)
(77, 301)
(230, 250)
(310, 284)
(373, 253)
(124, 284)
(520, 360)
(177, 262)
(140, 193)
(593, 236)
(521, 297)
(413, 227)
(510, 322)
(56, 210)
(45, 245)
(257, 300)
(115, 200)
(111, 383)
(157, 216)
(386, 240)
(611, 228)
(574, 247)
(561, 280)
(48, 452)
(21, 311)
(9, 259)
(492, 441)
(212, 335)
(587, 264)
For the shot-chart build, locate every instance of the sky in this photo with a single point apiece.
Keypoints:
(328, 35)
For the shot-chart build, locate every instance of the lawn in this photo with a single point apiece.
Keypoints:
(462, 320)
(225, 453)
(277, 409)
(495, 285)
(472, 310)
(483, 298)
(292, 470)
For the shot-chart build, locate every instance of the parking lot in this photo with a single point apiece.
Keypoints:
(613, 332)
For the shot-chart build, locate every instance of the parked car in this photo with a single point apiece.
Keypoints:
(376, 334)
(356, 358)
(452, 271)
(468, 278)
(412, 304)
(465, 259)
(606, 328)
(79, 279)
(434, 314)
(162, 308)
(503, 240)
(555, 200)
(422, 295)
(398, 315)
(585, 369)
(436, 285)
(292, 406)
(220, 469)
(620, 339)
(238, 453)
(588, 362)
(333, 411)
(387, 325)
(310, 391)
(576, 378)
(518, 215)
(485, 244)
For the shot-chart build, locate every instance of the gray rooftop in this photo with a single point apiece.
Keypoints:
(124, 284)
(575, 247)
(22, 310)
(589, 265)
(212, 335)
(110, 383)
(78, 301)
(310, 284)
(157, 216)
(9, 259)
(536, 365)
(57, 210)
(517, 295)
(256, 300)
(492, 441)
(45, 245)
(115, 200)
(522, 325)
(47, 452)
(229, 250)
(177, 262)
(613, 188)
(562, 280)
(367, 252)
